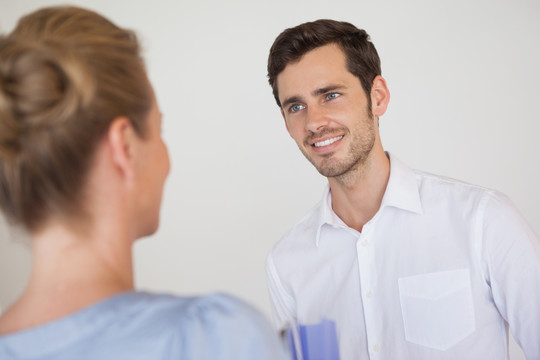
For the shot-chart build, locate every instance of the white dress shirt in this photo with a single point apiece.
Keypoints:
(440, 272)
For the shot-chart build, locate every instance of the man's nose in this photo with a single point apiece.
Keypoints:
(316, 119)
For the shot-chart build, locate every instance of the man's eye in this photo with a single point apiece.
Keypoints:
(332, 96)
(296, 107)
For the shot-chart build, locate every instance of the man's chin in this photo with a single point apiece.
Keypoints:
(331, 171)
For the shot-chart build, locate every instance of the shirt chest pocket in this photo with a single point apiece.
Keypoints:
(437, 308)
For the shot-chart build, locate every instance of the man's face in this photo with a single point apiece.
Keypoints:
(326, 111)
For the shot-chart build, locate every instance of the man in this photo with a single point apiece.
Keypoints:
(393, 263)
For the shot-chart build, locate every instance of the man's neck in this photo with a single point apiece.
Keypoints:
(357, 196)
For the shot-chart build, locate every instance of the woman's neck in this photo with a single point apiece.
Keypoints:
(71, 270)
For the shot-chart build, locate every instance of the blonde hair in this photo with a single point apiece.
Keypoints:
(65, 74)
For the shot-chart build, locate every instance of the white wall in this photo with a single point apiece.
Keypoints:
(464, 77)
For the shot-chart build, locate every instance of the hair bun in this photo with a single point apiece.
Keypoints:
(9, 128)
(41, 85)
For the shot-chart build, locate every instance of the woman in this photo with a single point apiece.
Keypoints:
(82, 168)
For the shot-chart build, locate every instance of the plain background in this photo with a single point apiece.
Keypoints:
(464, 76)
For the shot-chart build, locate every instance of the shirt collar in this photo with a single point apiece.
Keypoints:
(401, 192)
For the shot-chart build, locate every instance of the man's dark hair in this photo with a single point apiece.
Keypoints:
(289, 47)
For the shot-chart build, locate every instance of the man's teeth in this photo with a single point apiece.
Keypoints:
(328, 141)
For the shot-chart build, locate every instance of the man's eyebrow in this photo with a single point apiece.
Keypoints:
(326, 89)
(291, 100)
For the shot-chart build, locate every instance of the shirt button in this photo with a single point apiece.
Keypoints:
(376, 348)
(369, 294)
(364, 243)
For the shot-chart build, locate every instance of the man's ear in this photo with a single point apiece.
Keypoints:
(380, 96)
(121, 138)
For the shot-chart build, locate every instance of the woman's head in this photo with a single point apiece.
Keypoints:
(65, 74)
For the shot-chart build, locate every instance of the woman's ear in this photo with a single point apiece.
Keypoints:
(380, 96)
(122, 140)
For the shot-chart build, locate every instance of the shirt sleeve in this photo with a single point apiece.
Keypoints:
(283, 304)
(512, 251)
(225, 328)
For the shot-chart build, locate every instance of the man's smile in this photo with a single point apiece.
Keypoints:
(327, 141)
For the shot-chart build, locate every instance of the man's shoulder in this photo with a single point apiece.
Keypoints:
(437, 191)
(422, 190)
(442, 186)
(302, 233)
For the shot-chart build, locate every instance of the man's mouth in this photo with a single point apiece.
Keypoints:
(327, 141)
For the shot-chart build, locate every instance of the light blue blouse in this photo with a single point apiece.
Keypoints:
(138, 325)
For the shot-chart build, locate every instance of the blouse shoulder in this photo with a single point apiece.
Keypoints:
(221, 326)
